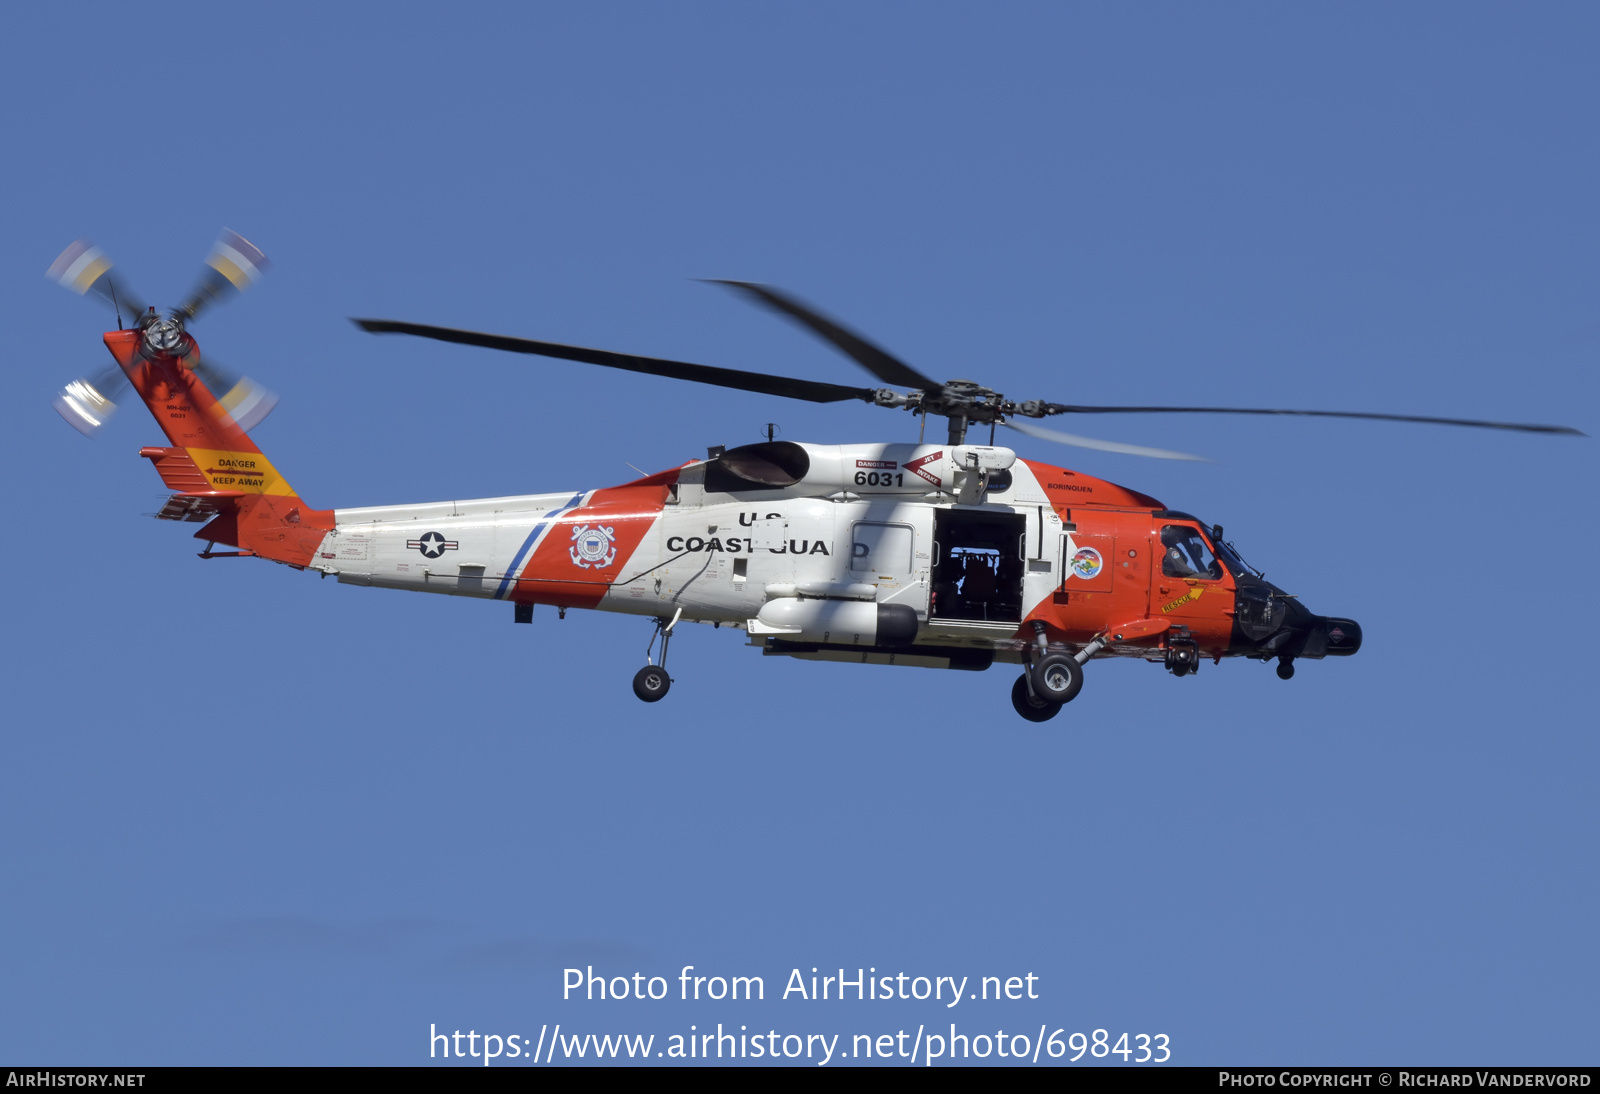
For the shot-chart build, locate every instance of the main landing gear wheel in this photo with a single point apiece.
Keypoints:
(1285, 668)
(1056, 677)
(1035, 710)
(651, 683)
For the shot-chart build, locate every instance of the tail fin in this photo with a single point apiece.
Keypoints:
(214, 469)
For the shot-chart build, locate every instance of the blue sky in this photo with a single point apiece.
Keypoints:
(253, 817)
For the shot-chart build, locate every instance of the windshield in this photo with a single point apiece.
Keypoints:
(1235, 561)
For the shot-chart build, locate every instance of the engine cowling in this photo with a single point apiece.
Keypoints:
(819, 470)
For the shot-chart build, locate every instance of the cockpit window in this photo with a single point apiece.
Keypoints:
(1235, 561)
(1186, 554)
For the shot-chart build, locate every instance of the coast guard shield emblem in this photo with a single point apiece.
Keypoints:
(592, 546)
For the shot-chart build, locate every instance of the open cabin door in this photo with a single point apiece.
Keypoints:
(978, 564)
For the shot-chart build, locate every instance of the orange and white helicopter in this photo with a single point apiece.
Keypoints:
(946, 556)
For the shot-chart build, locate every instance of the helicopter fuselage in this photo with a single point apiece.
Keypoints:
(929, 555)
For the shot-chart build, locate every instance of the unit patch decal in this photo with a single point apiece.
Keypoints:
(592, 546)
(432, 545)
(1087, 563)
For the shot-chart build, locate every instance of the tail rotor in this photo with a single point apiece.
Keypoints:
(234, 264)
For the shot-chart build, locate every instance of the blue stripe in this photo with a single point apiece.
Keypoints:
(516, 563)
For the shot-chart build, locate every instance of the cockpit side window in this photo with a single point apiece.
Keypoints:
(1185, 553)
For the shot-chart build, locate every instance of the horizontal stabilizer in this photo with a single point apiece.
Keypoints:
(189, 507)
(177, 469)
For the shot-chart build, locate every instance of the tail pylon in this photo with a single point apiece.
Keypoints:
(214, 469)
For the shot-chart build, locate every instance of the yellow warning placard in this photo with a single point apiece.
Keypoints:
(246, 471)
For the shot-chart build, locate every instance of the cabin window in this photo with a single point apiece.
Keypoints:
(881, 548)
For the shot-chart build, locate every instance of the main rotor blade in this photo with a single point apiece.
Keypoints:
(1058, 408)
(883, 365)
(809, 390)
(1100, 446)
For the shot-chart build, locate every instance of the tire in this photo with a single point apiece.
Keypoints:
(1057, 678)
(1035, 710)
(1285, 669)
(651, 683)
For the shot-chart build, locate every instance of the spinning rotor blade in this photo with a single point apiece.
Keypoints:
(246, 401)
(1100, 446)
(232, 267)
(83, 266)
(88, 404)
(1057, 408)
(809, 390)
(883, 365)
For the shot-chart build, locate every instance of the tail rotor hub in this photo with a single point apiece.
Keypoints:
(164, 337)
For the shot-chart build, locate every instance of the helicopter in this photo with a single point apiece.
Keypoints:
(952, 555)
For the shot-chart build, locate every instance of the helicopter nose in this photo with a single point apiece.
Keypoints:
(1336, 637)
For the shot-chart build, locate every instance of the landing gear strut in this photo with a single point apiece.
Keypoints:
(652, 682)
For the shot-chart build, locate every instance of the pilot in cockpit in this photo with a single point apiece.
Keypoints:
(1186, 554)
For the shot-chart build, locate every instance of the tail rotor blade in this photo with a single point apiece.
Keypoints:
(1076, 441)
(232, 267)
(87, 404)
(246, 401)
(83, 267)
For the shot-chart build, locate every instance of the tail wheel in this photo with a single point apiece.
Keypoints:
(1035, 710)
(1057, 678)
(651, 683)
